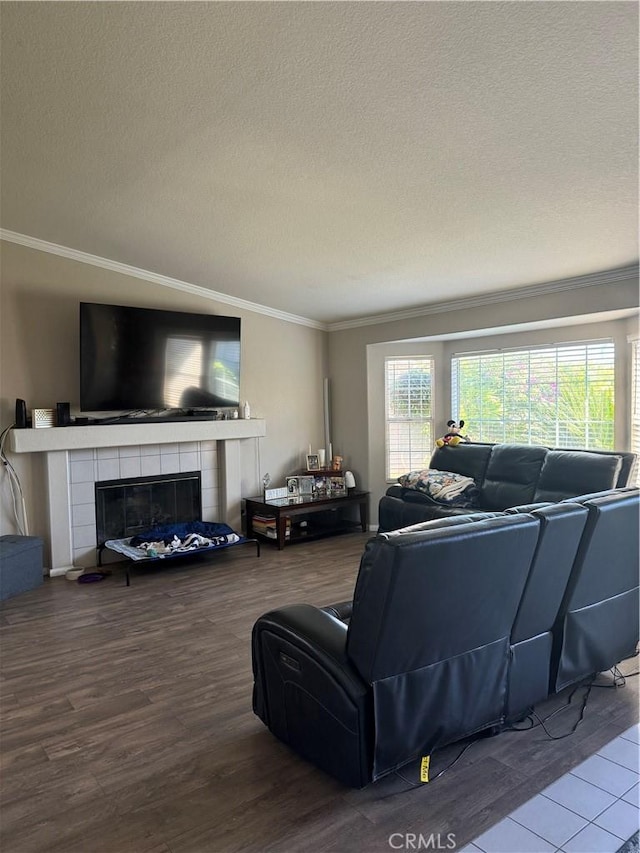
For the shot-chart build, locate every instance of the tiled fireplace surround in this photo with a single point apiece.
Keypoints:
(86, 467)
(78, 457)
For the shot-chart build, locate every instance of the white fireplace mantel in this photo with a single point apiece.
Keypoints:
(121, 435)
(57, 443)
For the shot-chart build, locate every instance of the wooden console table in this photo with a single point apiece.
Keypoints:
(285, 511)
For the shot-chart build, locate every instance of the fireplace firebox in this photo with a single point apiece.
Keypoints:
(127, 507)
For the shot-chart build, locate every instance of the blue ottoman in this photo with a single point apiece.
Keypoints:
(20, 564)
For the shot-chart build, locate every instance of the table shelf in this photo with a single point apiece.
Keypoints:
(293, 511)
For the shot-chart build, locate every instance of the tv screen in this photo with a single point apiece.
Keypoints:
(143, 358)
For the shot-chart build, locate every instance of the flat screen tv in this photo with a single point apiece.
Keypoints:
(146, 359)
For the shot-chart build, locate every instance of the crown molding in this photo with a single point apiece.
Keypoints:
(590, 280)
(562, 285)
(155, 278)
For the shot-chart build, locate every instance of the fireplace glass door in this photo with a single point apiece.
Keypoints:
(127, 507)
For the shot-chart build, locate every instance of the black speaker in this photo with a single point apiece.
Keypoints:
(21, 414)
(63, 414)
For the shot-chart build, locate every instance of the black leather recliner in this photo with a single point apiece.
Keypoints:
(457, 625)
(423, 662)
(561, 529)
(598, 622)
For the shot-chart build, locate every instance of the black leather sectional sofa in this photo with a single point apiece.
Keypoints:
(508, 475)
(457, 625)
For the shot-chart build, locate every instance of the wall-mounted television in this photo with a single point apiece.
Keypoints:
(147, 359)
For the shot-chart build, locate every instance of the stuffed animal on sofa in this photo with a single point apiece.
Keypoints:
(453, 436)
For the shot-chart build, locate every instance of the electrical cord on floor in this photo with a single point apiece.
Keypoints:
(515, 728)
(624, 675)
(619, 680)
(455, 760)
(535, 720)
(585, 699)
(531, 714)
(440, 772)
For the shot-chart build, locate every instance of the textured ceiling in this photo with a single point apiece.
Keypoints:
(329, 160)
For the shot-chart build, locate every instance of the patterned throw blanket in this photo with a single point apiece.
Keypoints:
(174, 539)
(160, 548)
(442, 486)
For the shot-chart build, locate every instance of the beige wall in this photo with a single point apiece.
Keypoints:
(356, 358)
(283, 363)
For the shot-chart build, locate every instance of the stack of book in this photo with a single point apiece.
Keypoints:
(266, 525)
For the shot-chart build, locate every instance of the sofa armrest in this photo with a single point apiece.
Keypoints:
(317, 635)
(342, 610)
(309, 694)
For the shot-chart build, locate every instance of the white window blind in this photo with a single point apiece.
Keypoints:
(408, 414)
(560, 396)
(635, 405)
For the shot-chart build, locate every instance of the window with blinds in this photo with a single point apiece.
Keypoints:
(635, 405)
(408, 414)
(560, 396)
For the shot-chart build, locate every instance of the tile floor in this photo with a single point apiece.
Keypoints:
(592, 809)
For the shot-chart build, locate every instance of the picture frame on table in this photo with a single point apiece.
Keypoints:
(337, 486)
(293, 488)
(313, 462)
(321, 484)
(306, 486)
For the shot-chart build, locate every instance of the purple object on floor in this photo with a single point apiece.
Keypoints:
(91, 577)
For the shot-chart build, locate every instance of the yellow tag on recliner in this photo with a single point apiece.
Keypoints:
(424, 768)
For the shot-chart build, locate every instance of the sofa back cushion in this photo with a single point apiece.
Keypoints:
(628, 462)
(607, 563)
(471, 460)
(568, 473)
(432, 613)
(512, 476)
(424, 594)
(561, 527)
(598, 624)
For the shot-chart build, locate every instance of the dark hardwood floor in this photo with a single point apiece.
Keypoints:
(127, 722)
